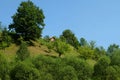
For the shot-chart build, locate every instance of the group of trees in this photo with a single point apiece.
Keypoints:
(67, 68)
(27, 25)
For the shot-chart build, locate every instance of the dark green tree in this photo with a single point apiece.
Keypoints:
(92, 44)
(23, 71)
(115, 58)
(69, 37)
(112, 48)
(23, 52)
(5, 39)
(28, 21)
(47, 38)
(83, 69)
(83, 42)
(100, 68)
(67, 73)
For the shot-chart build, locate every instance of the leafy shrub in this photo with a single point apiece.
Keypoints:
(115, 58)
(4, 68)
(48, 66)
(111, 73)
(23, 71)
(61, 47)
(83, 70)
(6, 39)
(23, 52)
(50, 46)
(100, 68)
(67, 73)
(86, 52)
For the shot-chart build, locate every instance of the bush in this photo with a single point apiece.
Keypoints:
(83, 70)
(111, 73)
(115, 58)
(23, 52)
(86, 52)
(100, 68)
(48, 66)
(67, 73)
(23, 71)
(61, 47)
(6, 39)
(45, 76)
(50, 46)
(4, 68)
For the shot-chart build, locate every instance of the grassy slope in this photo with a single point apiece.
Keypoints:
(10, 52)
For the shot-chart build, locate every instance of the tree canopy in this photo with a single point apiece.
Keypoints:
(28, 21)
(69, 37)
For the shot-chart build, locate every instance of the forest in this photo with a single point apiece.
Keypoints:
(27, 55)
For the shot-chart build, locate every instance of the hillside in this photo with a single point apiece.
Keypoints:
(35, 50)
(27, 55)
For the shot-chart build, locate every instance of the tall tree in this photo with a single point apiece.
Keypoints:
(28, 21)
(69, 37)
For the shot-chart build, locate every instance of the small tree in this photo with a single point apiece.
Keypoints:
(83, 42)
(69, 37)
(23, 52)
(5, 39)
(61, 47)
(92, 44)
(112, 48)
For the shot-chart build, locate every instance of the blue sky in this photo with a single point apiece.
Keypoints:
(97, 20)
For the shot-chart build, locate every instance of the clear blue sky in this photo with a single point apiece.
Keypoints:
(97, 20)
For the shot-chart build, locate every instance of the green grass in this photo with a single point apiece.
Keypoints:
(37, 49)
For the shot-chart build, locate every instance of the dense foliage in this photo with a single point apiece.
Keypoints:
(50, 68)
(69, 37)
(64, 58)
(23, 52)
(28, 22)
